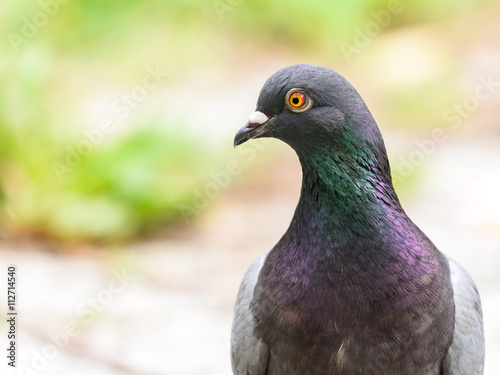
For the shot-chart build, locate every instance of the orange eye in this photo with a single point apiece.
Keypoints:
(297, 100)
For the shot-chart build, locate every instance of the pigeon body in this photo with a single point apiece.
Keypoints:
(353, 286)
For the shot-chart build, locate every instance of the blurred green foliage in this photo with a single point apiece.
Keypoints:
(121, 188)
(135, 180)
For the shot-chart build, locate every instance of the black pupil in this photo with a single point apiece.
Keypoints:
(295, 100)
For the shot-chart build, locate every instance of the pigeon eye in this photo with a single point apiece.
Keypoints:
(297, 101)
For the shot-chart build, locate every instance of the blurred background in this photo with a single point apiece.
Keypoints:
(132, 218)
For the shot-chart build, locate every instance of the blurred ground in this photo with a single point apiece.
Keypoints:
(174, 316)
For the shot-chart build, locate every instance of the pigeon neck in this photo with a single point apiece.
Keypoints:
(346, 192)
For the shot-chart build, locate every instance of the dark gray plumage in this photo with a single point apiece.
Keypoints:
(353, 286)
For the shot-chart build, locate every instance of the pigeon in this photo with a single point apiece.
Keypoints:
(353, 286)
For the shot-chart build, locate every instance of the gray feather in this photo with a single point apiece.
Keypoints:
(249, 355)
(466, 353)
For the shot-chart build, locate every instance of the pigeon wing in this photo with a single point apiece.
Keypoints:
(466, 353)
(249, 355)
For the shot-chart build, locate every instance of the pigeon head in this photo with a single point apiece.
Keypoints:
(316, 111)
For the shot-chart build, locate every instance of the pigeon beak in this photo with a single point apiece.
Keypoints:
(252, 129)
